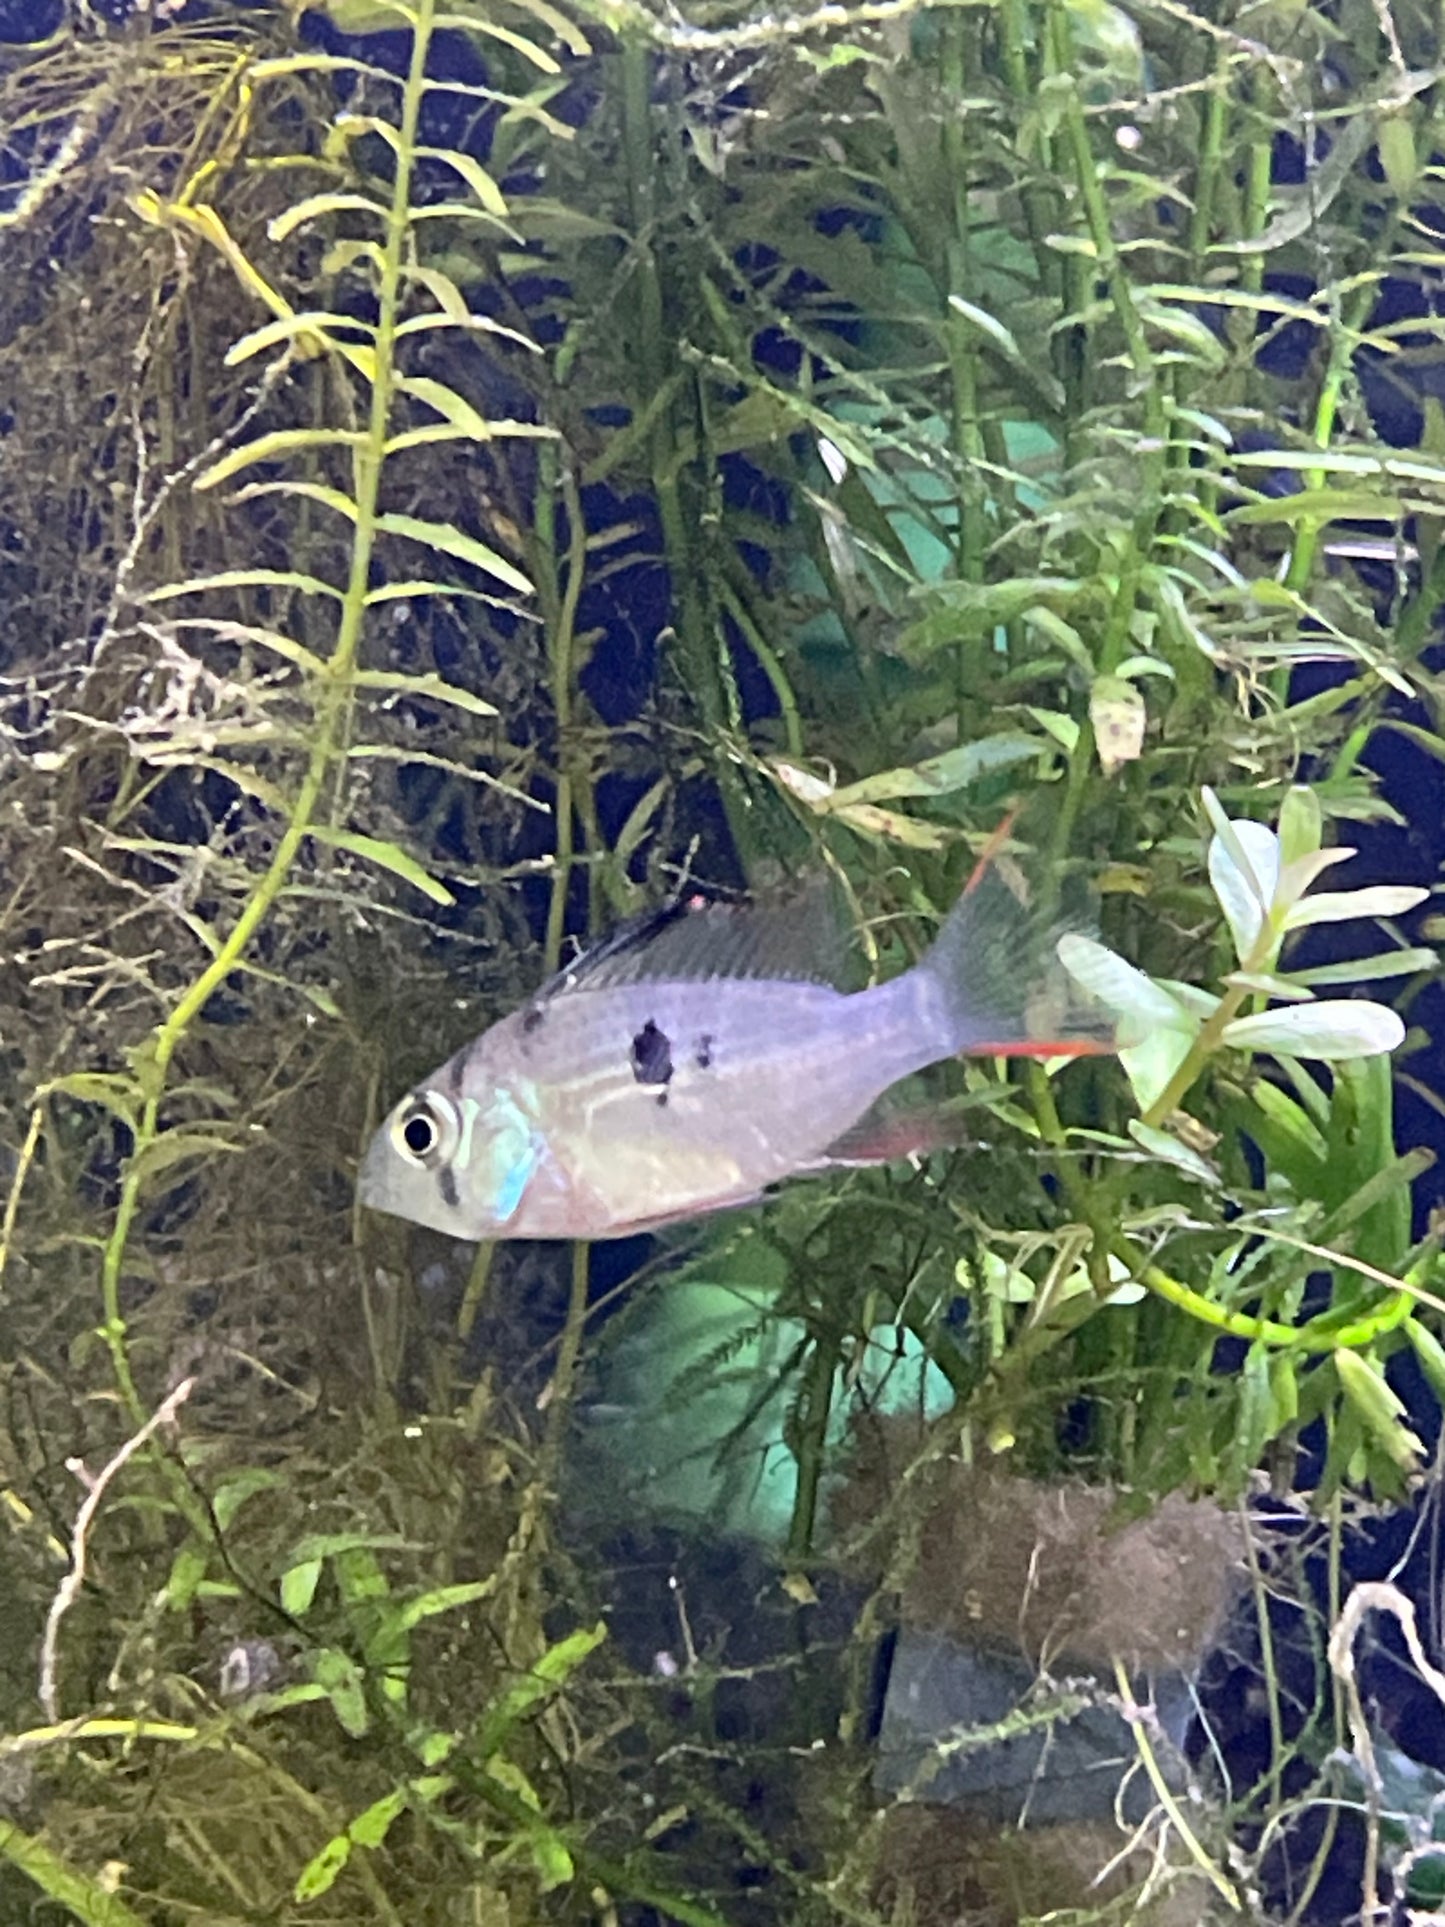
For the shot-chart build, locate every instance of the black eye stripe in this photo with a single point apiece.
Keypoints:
(426, 1131)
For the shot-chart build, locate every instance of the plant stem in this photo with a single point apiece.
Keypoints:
(81, 1895)
(332, 701)
(815, 1402)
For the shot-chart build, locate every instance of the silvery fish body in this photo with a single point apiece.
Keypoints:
(690, 1064)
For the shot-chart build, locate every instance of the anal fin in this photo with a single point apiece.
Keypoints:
(891, 1131)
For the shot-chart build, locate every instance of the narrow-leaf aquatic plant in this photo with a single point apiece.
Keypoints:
(783, 439)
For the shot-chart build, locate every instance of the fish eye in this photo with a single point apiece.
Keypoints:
(425, 1130)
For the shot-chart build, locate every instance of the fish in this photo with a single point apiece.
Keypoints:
(701, 1055)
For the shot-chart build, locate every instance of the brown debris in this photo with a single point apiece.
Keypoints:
(1007, 1563)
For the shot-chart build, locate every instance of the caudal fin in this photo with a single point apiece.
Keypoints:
(996, 987)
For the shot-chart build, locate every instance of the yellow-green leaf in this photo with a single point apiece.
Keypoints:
(479, 23)
(428, 685)
(269, 448)
(449, 540)
(117, 1094)
(455, 409)
(370, 1827)
(893, 826)
(954, 769)
(341, 1678)
(291, 218)
(319, 326)
(1431, 1354)
(476, 177)
(298, 1587)
(331, 498)
(321, 1872)
(388, 857)
(445, 1599)
(362, 16)
(174, 1146)
(557, 23)
(1379, 1407)
(245, 579)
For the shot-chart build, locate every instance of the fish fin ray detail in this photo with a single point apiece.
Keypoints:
(801, 939)
(1004, 990)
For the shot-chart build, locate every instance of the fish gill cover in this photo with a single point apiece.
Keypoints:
(469, 475)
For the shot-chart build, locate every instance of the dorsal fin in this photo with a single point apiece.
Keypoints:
(801, 939)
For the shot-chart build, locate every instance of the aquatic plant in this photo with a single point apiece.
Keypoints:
(465, 470)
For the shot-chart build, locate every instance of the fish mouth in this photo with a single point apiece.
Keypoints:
(371, 1185)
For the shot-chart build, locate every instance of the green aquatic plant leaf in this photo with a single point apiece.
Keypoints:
(389, 856)
(437, 688)
(245, 579)
(315, 205)
(446, 539)
(298, 1586)
(323, 1870)
(272, 447)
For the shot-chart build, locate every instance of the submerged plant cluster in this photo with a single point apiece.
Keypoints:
(466, 472)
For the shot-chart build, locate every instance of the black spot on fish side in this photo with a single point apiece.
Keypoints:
(702, 1051)
(651, 1055)
(532, 1020)
(662, 1100)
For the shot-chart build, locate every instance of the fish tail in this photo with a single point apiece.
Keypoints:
(993, 985)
